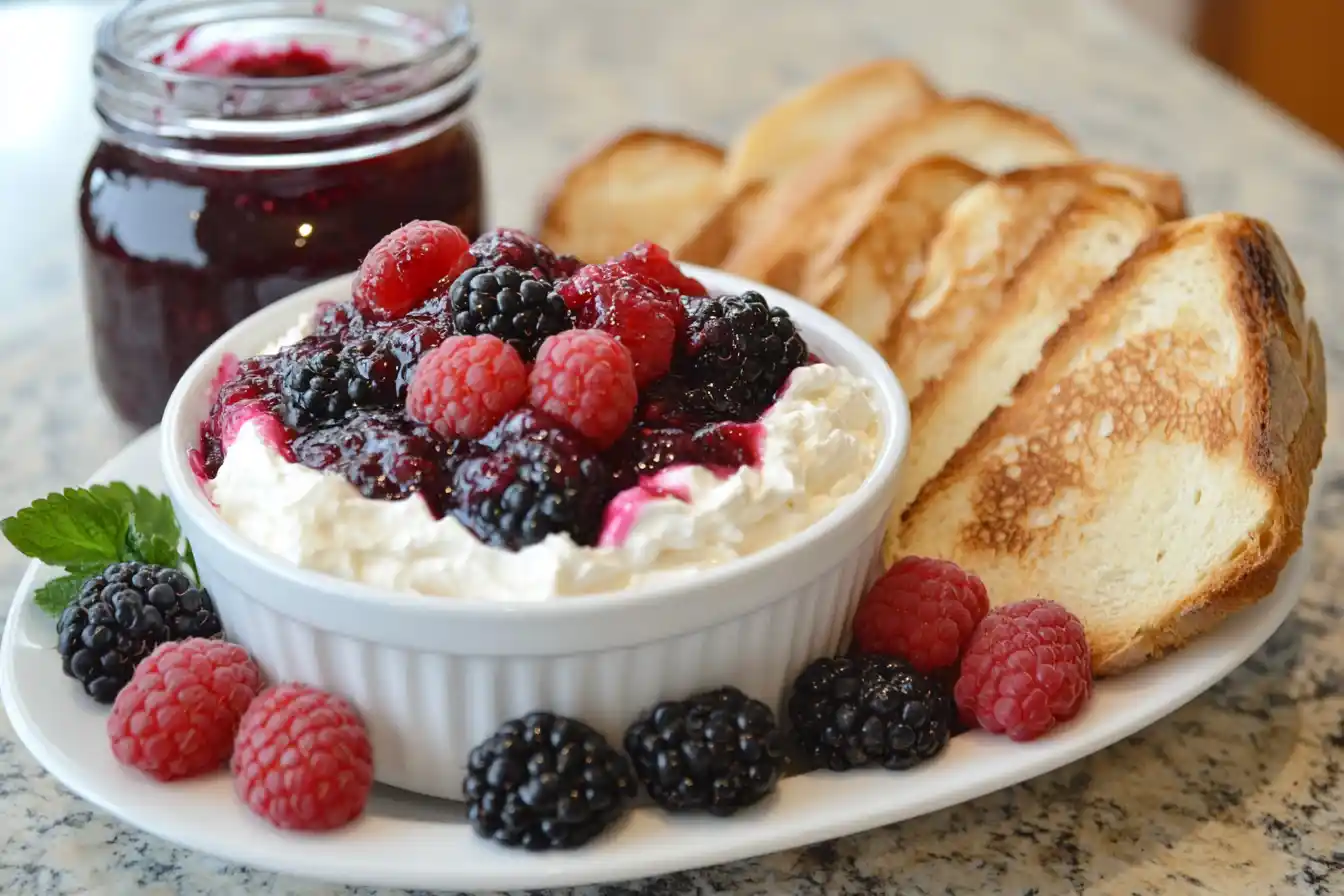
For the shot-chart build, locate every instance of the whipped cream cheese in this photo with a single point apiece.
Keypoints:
(817, 444)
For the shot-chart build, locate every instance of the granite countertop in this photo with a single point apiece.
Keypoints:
(1239, 792)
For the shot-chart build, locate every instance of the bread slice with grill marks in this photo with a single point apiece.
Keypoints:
(1083, 247)
(1152, 473)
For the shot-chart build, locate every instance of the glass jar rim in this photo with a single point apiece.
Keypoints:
(165, 110)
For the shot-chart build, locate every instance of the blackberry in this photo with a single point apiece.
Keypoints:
(120, 616)
(736, 353)
(719, 751)
(854, 711)
(507, 246)
(316, 386)
(545, 482)
(545, 782)
(519, 308)
(385, 455)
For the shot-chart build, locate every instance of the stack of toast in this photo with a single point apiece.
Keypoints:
(1113, 405)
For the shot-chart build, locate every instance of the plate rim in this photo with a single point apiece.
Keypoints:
(746, 836)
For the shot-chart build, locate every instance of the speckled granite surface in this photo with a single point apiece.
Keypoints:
(1240, 792)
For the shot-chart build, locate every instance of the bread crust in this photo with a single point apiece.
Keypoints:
(558, 227)
(1283, 374)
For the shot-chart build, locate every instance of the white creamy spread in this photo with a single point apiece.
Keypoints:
(819, 441)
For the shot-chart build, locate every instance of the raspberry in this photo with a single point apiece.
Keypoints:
(654, 262)
(403, 269)
(178, 716)
(921, 609)
(585, 379)
(302, 759)
(1027, 668)
(465, 386)
(640, 313)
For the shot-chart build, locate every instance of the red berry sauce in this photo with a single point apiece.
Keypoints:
(336, 401)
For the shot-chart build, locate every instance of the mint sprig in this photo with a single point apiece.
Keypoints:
(85, 530)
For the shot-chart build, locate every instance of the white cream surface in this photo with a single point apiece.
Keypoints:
(818, 443)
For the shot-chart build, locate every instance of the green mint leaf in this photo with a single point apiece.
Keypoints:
(54, 596)
(151, 548)
(153, 514)
(67, 528)
(190, 559)
(86, 569)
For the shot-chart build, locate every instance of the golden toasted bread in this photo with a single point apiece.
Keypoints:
(868, 271)
(1152, 473)
(710, 240)
(791, 132)
(643, 185)
(800, 211)
(1082, 248)
(1160, 188)
(987, 233)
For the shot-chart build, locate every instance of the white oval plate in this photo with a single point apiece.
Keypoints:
(409, 841)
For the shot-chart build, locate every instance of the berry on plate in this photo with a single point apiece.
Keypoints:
(719, 752)
(1027, 668)
(546, 782)
(517, 307)
(302, 759)
(653, 261)
(849, 712)
(178, 715)
(120, 616)
(586, 379)
(403, 269)
(922, 609)
(465, 386)
(644, 316)
(516, 249)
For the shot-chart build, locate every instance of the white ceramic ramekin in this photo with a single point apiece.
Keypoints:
(434, 675)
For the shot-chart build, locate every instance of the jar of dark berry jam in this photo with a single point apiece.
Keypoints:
(250, 148)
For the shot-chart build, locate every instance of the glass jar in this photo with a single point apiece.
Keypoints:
(250, 148)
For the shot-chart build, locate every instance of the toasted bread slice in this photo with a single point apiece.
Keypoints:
(799, 213)
(1161, 189)
(711, 239)
(1152, 473)
(643, 185)
(794, 130)
(988, 232)
(1083, 247)
(868, 271)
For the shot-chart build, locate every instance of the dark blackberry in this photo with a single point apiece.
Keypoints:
(545, 483)
(121, 615)
(505, 246)
(519, 308)
(719, 751)
(385, 455)
(736, 353)
(644, 450)
(849, 712)
(316, 385)
(546, 782)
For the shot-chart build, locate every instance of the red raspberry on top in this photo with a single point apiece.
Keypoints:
(644, 316)
(1028, 668)
(652, 260)
(921, 609)
(178, 715)
(302, 759)
(585, 379)
(466, 385)
(402, 270)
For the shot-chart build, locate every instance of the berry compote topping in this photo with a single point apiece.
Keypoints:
(657, 381)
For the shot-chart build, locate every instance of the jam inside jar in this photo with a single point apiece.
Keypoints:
(251, 148)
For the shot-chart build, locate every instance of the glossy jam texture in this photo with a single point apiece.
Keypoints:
(176, 254)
